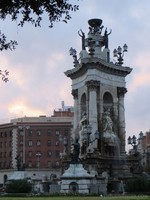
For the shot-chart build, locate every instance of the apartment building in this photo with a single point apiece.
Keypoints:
(35, 144)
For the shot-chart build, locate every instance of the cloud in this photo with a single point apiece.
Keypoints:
(37, 82)
(142, 73)
(19, 108)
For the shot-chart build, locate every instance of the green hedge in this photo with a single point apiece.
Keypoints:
(19, 186)
(140, 184)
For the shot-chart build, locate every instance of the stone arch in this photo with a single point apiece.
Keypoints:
(107, 100)
(73, 187)
(110, 137)
(83, 103)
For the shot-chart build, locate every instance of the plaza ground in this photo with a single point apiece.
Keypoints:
(79, 198)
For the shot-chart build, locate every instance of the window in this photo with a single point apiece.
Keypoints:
(5, 134)
(49, 133)
(49, 164)
(30, 153)
(57, 153)
(4, 164)
(10, 164)
(10, 133)
(38, 143)
(66, 132)
(57, 132)
(30, 164)
(30, 143)
(21, 143)
(21, 154)
(57, 164)
(21, 133)
(10, 154)
(49, 143)
(30, 132)
(9, 143)
(49, 153)
(1, 154)
(5, 144)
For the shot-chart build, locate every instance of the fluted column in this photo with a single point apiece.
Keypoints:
(75, 96)
(121, 114)
(92, 89)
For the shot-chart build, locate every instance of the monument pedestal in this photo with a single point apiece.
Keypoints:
(76, 180)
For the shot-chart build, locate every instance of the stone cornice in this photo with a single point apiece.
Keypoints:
(99, 64)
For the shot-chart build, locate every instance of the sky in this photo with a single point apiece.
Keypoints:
(37, 83)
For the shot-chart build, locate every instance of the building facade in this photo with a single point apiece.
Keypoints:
(35, 144)
(143, 148)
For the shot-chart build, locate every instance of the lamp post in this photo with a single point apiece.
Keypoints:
(38, 155)
(73, 53)
(65, 143)
(133, 141)
(87, 132)
(24, 128)
(119, 53)
(141, 135)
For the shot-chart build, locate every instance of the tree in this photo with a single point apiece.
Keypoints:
(32, 11)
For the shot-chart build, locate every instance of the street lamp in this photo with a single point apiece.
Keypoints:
(24, 128)
(38, 155)
(65, 143)
(119, 53)
(141, 135)
(132, 141)
(73, 53)
(87, 132)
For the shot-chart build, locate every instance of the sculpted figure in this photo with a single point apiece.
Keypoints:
(110, 139)
(106, 37)
(82, 35)
(107, 122)
(76, 152)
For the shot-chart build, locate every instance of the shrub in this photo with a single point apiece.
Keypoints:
(18, 186)
(138, 185)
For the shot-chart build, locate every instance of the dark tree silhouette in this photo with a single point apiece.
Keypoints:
(32, 11)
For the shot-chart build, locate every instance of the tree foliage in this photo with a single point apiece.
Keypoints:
(32, 11)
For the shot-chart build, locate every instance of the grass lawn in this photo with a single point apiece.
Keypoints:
(79, 198)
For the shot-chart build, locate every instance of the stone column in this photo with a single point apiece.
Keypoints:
(92, 92)
(121, 115)
(76, 120)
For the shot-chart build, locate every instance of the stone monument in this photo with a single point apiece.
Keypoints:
(76, 179)
(98, 89)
